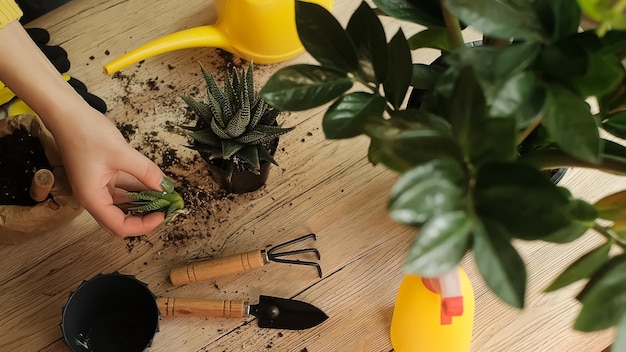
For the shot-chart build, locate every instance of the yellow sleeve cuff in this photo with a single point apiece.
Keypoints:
(9, 12)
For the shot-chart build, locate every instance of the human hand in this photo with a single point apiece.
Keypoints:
(102, 167)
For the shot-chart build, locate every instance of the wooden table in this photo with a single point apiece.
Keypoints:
(325, 187)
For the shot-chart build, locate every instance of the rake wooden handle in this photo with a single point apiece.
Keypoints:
(204, 308)
(214, 268)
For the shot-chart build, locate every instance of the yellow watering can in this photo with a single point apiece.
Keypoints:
(433, 314)
(263, 31)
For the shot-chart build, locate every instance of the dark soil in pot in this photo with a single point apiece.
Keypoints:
(21, 155)
(242, 181)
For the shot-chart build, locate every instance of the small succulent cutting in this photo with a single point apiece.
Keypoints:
(146, 202)
(235, 124)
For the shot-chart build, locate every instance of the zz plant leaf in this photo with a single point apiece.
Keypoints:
(568, 119)
(499, 19)
(603, 302)
(499, 263)
(399, 76)
(426, 190)
(347, 116)
(368, 36)
(583, 267)
(425, 12)
(440, 244)
(302, 87)
(324, 38)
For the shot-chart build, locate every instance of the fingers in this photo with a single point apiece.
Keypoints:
(116, 222)
(129, 182)
(145, 171)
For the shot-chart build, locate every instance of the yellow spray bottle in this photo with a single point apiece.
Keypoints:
(433, 314)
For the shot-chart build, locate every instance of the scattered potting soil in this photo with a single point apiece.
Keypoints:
(21, 155)
(166, 144)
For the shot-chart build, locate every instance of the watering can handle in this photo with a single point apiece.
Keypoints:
(203, 36)
(218, 267)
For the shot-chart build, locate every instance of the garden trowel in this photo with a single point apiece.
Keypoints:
(271, 312)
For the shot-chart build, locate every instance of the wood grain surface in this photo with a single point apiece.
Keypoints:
(322, 187)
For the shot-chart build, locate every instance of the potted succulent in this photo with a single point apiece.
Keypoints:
(29, 209)
(462, 179)
(236, 131)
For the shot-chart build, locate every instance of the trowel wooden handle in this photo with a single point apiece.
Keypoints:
(204, 308)
(214, 268)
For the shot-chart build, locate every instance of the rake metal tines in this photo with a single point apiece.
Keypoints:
(274, 255)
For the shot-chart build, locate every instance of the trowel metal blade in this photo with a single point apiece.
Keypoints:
(282, 313)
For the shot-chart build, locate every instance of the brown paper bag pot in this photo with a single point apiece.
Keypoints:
(19, 223)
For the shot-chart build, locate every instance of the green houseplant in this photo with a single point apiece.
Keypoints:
(236, 131)
(463, 180)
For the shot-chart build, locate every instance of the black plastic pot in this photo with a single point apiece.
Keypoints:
(112, 313)
(242, 181)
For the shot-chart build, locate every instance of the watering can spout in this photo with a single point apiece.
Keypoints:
(260, 30)
(189, 38)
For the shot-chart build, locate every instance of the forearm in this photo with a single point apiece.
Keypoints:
(31, 76)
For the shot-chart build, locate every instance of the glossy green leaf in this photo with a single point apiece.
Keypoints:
(512, 94)
(603, 304)
(440, 244)
(568, 119)
(582, 268)
(583, 211)
(499, 19)
(563, 61)
(425, 76)
(615, 124)
(434, 38)
(534, 205)
(499, 263)
(392, 143)
(562, 17)
(425, 12)
(302, 87)
(567, 234)
(468, 108)
(493, 140)
(368, 36)
(613, 42)
(615, 154)
(603, 74)
(426, 190)
(323, 37)
(481, 59)
(515, 58)
(597, 277)
(400, 70)
(345, 118)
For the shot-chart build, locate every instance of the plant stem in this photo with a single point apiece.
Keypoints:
(453, 27)
(536, 122)
(554, 158)
(608, 234)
